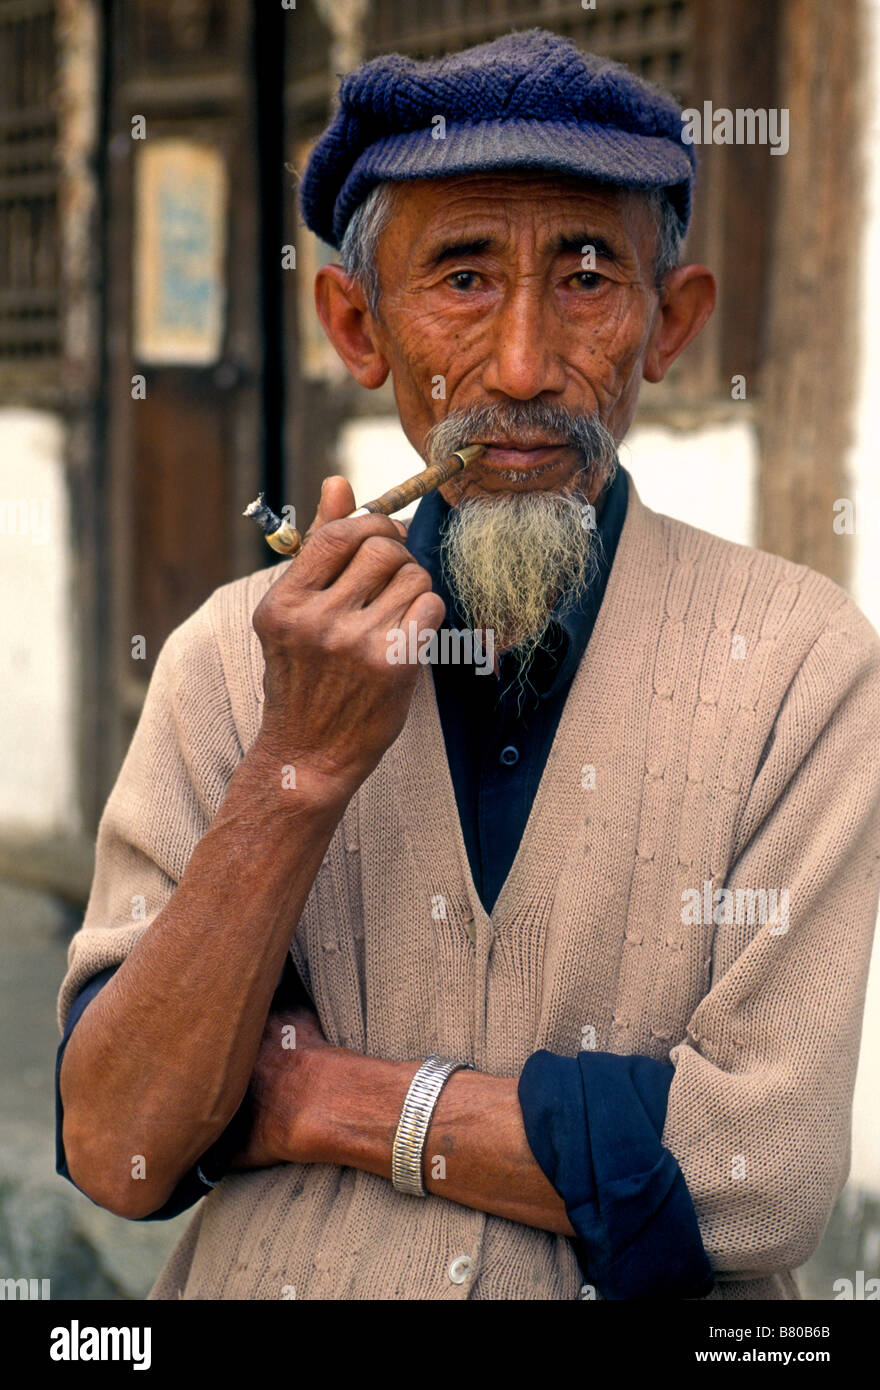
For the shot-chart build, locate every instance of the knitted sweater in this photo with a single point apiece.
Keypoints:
(722, 731)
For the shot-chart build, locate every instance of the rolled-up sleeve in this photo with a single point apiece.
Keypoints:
(593, 1123)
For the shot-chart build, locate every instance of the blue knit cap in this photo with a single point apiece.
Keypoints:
(530, 100)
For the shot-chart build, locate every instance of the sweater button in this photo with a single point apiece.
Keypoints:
(458, 1270)
(509, 756)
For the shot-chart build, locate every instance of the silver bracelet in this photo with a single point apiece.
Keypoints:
(415, 1117)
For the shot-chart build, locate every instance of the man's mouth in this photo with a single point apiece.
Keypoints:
(524, 457)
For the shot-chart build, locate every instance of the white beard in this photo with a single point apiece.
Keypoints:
(509, 559)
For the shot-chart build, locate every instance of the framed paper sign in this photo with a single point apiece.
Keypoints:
(180, 250)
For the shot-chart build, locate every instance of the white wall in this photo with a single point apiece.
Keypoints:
(706, 478)
(375, 455)
(37, 789)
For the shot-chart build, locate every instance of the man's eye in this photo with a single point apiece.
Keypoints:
(588, 279)
(462, 279)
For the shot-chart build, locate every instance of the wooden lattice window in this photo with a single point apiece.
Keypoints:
(653, 39)
(166, 38)
(30, 320)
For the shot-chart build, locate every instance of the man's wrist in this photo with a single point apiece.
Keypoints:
(294, 783)
(360, 1102)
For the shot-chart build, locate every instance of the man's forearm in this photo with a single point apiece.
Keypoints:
(161, 1059)
(354, 1104)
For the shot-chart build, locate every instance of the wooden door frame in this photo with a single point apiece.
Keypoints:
(219, 107)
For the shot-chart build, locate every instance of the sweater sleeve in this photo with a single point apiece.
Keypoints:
(760, 1107)
(173, 779)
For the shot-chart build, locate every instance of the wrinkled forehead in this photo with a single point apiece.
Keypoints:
(520, 203)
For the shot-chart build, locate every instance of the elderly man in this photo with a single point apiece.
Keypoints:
(537, 980)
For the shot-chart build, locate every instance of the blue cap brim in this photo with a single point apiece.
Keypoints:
(601, 153)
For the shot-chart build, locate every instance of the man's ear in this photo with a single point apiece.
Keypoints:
(686, 301)
(348, 324)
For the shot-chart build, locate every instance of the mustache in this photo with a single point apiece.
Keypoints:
(556, 424)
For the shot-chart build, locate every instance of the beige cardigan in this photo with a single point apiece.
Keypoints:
(729, 703)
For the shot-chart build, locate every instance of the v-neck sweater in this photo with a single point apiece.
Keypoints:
(497, 736)
(723, 729)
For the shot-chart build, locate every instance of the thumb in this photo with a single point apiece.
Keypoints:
(337, 500)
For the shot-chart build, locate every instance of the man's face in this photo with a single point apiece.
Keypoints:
(518, 311)
(485, 300)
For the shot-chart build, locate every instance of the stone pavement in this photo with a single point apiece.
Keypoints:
(48, 1230)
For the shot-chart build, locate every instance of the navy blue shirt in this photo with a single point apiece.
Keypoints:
(498, 736)
(594, 1123)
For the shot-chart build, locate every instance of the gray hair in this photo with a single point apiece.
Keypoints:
(361, 240)
(670, 237)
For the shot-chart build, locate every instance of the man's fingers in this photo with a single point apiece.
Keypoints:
(334, 546)
(320, 565)
(408, 595)
(370, 571)
(337, 500)
(428, 611)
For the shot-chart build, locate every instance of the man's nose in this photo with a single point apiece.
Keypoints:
(523, 358)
